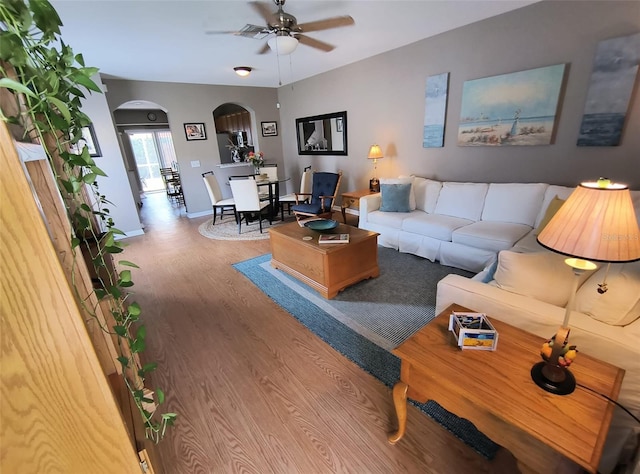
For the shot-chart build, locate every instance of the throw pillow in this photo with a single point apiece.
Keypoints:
(403, 180)
(395, 197)
(555, 204)
(540, 275)
(620, 305)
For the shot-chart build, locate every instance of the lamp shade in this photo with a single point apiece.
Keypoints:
(375, 153)
(596, 223)
(283, 45)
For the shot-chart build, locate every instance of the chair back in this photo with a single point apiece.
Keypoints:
(305, 182)
(324, 184)
(213, 188)
(271, 171)
(245, 194)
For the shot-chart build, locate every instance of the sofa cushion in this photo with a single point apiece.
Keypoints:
(433, 225)
(426, 192)
(402, 180)
(464, 200)
(490, 235)
(562, 192)
(390, 219)
(513, 202)
(620, 304)
(542, 275)
(395, 197)
(553, 207)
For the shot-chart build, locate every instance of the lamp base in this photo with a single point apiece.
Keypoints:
(560, 387)
(374, 185)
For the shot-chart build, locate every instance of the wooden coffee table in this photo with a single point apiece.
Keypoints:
(327, 268)
(494, 390)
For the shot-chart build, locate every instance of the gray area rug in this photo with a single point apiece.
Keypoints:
(386, 310)
(405, 282)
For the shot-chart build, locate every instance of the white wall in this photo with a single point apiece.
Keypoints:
(384, 100)
(116, 185)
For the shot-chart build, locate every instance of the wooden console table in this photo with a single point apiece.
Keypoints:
(352, 198)
(494, 390)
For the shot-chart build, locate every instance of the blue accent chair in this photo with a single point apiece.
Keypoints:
(324, 189)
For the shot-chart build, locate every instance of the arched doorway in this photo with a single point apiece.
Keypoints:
(234, 128)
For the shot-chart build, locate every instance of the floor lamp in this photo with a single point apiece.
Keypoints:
(597, 223)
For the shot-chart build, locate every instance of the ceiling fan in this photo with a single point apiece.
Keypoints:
(284, 30)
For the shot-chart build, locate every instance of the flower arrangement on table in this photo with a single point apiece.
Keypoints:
(256, 159)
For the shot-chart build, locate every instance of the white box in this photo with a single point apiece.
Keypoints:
(473, 331)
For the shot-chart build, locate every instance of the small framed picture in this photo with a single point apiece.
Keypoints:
(89, 139)
(269, 129)
(338, 125)
(195, 131)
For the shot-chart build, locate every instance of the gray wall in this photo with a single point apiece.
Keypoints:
(196, 103)
(384, 100)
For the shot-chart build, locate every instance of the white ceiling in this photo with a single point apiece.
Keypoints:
(166, 40)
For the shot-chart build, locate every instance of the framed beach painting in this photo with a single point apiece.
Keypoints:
(511, 109)
(615, 69)
(435, 110)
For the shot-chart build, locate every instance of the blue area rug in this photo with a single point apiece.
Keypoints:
(355, 339)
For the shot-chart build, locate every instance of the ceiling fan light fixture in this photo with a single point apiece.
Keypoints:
(283, 44)
(242, 71)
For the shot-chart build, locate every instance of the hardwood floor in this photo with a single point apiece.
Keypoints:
(256, 392)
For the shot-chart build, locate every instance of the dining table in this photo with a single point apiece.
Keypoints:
(273, 191)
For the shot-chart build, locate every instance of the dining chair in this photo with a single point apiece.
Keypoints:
(215, 194)
(271, 170)
(248, 203)
(302, 196)
(324, 190)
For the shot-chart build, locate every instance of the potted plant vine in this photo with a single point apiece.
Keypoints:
(47, 81)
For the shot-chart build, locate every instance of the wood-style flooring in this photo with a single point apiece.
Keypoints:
(257, 392)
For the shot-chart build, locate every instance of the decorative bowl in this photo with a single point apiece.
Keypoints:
(321, 224)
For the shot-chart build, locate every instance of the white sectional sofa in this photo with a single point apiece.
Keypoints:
(491, 229)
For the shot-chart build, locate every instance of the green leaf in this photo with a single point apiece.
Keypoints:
(134, 309)
(141, 333)
(75, 241)
(89, 178)
(124, 361)
(160, 395)
(127, 263)
(125, 275)
(45, 17)
(16, 86)
(150, 367)
(113, 249)
(138, 346)
(115, 292)
(100, 293)
(62, 108)
(79, 78)
(97, 170)
(117, 231)
(120, 330)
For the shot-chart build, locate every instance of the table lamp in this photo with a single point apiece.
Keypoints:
(375, 154)
(597, 223)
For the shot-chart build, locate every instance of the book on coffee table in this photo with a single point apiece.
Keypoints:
(333, 239)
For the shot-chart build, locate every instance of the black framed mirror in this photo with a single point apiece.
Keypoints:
(322, 134)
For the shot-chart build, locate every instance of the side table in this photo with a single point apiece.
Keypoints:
(352, 198)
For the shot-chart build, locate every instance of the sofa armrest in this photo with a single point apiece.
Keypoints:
(369, 204)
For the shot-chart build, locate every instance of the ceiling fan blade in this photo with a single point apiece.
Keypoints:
(314, 43)
(265, 49)
(326, 24)
(264, 10)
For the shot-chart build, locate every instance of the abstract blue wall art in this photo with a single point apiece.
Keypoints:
(435, 110)
(511, 109)
(614, 73)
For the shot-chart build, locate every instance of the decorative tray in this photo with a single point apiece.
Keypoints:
(321, 224)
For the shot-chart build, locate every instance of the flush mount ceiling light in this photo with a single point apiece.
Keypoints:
(242, 71)
(283, 44)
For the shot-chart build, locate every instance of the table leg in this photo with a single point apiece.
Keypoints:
(344, 214)
(400, 403)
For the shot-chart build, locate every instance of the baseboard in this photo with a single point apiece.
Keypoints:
(193, 215)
